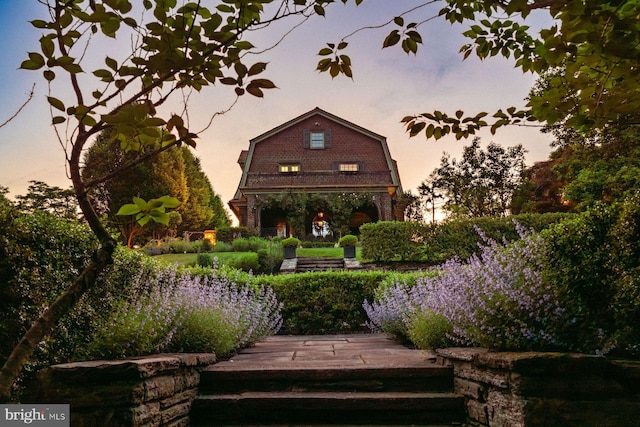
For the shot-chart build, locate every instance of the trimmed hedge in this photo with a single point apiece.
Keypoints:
(324, 302)
(229, 234)
(435, 243)
(595, 264)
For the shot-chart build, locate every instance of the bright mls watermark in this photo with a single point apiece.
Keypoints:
(40, 415)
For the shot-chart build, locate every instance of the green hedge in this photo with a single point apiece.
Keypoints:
(435, 243)
(595, 264)
(324, 302)
(229, 234)
(40, 254)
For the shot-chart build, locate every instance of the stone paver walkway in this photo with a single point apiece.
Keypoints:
(327, 351)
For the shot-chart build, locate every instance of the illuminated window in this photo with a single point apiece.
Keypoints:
(349, 167)
(289, 168)
(317, 140)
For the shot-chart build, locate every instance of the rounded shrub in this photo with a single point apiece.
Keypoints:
(429, 330)
(291, 242)
(348, 240)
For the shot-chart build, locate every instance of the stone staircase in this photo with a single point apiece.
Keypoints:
(306, 264)
(312, 394)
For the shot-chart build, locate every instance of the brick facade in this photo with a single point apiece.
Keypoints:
(284, 159)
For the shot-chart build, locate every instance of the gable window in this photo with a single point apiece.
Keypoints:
(317, 140)
(289, 168)
(349, 167)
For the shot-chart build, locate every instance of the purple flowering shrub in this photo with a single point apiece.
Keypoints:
(176, 311)
(497, 299)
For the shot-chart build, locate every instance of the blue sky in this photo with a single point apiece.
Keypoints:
(388, 84)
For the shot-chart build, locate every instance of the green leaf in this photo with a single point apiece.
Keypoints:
(159, 217)
(56, 103)
(111, 63)
(392, 39)
(257, 68)
(141, 203)
(128, 209)
(37, 59)
(47, 46)
(49, 75)
(105, 75)
(169, 202)
(143, 220)
(417, 128)
(39, 23)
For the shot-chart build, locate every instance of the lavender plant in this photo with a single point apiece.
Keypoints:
(496, 299)
(171, 311)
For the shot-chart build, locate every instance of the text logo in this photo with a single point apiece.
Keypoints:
(40, 415)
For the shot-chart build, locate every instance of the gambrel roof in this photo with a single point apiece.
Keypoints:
(345, 142)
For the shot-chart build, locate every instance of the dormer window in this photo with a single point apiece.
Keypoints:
(290, 168)
(349, 167)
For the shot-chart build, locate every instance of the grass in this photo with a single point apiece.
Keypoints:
(192, 258)
(324, 252)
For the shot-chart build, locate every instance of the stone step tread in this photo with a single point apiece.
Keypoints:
(453, 424)
(282, 396)
(336, 408)
(364, 371)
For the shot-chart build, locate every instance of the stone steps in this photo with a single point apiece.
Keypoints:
(337, 408)
(306, 264)
(394, 387)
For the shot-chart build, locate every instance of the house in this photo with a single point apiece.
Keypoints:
(317, 174)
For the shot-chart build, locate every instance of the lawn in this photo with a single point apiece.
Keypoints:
(324, 252)
(191, 258)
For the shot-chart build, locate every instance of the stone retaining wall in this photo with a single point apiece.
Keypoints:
(545, 389)
(148, 391)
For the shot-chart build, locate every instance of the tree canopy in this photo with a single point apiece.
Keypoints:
(175, 172)
(40, 196)
(481, 183)
(595, 44)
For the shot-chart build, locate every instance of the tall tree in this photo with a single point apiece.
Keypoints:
(482, 183)
(55, 200)
(173, 48)
(175, 172)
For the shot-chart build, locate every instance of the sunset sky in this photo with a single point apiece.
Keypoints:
(387, 85)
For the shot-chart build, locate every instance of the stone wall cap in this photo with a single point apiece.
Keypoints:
(136, 367)
(528, 361)
(460, 353)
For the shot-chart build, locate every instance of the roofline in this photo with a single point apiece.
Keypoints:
(391, 164)
(308, 114)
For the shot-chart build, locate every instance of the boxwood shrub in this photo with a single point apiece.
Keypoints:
(324, 302)
(435, 243)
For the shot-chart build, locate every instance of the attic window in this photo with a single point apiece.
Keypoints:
(349, 167)
(317, 140)
(289, 168)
